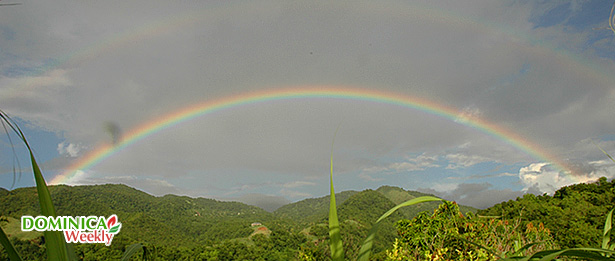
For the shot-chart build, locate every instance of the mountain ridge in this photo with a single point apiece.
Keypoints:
(182, 220)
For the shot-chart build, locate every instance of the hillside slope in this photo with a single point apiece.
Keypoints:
(575, 214)
(170, 220)
(312, 209)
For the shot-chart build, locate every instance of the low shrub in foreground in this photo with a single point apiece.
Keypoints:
(449, 235)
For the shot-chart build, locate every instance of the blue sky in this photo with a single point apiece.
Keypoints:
(540, 69)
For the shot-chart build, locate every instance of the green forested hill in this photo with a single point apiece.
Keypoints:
(309, 211)
(359, 213)
(356, 215)
(182, 224)
(575, 214)
(179, 227)
(170, 220)
(399, 195)
(312, 209)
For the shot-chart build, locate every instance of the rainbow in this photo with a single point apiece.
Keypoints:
(308, 92)
(398, 9)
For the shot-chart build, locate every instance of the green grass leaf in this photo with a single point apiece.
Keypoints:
(54, 240)
(605, 153)
(366, 248)
(606, 236)
(585, 253)
(336, 246)
(10, 249)
(526, 247)
(131, 250)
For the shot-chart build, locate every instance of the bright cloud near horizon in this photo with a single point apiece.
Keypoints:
(78, 75)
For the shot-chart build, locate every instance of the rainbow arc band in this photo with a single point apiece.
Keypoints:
(309, 92)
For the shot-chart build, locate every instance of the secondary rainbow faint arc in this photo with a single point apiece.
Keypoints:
(329, 92)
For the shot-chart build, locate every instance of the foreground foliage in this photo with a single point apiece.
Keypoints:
(574, 214)
(447, 234)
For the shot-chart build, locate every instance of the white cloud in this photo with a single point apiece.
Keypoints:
(24, 86)
(420, 162)
(79, 178)
(458, 160)
(298, 183)
(468, 113)
(369, 177)
(503, 174)
(547, 180)
(72, 150)
(374, 169)
(35, 98)
(445, 186)
(478, 195)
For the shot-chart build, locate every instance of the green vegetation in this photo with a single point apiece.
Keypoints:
(447, 234)
(312, 210)
(574, 214)
(398, 195)
(220, 233)
(185, 225)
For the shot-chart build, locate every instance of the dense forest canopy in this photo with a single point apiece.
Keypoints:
(174, 227)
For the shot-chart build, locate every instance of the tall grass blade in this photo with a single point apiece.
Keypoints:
(491, 251)
(589, 253)
(366, 248)
(605, 153)
(336, 246)
(131, 250)
(10, 249)
(584, 253)
(70, 250)
(408, 203)
(606, 235)
(54, 240)
(513, 256)
(526, 247)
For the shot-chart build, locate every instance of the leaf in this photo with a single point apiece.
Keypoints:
(8, 246)
(54, 240)
(605, 153)
(606, 236)
(491, 251)
(71, 252)
(586, 253)
(366, 248)
(337, 248)
(525, 247)
(131, 250)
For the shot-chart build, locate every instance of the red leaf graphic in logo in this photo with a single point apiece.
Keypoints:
(111, 221)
